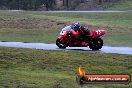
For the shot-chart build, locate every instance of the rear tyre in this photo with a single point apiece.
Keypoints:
(60, 44)
(96, 44)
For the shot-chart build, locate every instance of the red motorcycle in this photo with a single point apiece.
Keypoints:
(77, 39)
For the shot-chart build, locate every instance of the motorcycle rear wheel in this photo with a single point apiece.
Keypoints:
(96, 44)
(60, 44)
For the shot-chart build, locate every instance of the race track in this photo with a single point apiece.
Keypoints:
(92, 11)
(105, 49)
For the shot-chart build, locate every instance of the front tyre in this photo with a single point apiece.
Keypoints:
(60, 44)
(96, 44)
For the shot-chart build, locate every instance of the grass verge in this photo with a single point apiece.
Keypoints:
(28, 68)
(121, 5)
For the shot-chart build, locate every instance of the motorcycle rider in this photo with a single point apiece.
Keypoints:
(77, 27)
(81, 29)
(74, 27)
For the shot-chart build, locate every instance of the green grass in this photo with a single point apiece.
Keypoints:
(29, 35)
(32, 26)
(121, 5)
(99, 19)
(28, 68)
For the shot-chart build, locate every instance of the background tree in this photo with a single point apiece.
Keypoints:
(47, 4)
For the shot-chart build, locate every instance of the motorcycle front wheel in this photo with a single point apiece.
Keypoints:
(60, 44)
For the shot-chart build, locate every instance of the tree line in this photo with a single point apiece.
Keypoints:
(44, 4)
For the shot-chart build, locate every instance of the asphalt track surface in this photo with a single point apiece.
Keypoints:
(43, 46)
(91, 11)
